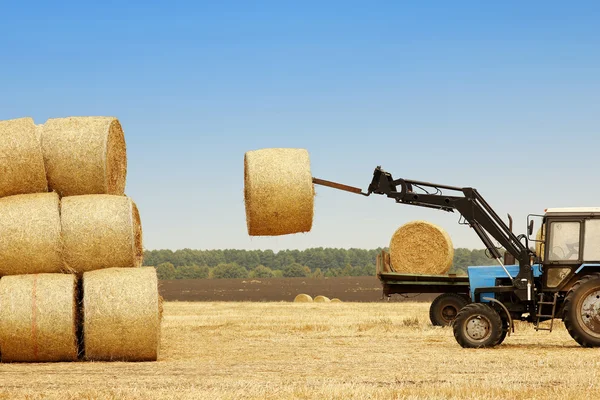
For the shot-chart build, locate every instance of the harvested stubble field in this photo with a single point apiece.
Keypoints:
(280, 351)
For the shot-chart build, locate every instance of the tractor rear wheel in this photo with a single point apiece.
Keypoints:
(445, 308)
(582, 311)
(477, 325)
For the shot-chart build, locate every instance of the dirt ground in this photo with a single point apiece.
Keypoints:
(227, 350)
(359, 289)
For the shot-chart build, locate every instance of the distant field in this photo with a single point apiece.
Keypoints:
(359, 289)
(218, 350)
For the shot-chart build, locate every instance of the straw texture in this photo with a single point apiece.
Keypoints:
(303, 298)
(21, 161)
(322, 299)
(420, 247)
(30, 239)
(278, 190)
(121, 314)
(101, 231)
(85, 155)
(38, 318)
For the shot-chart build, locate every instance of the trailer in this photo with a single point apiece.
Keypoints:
(453, 289)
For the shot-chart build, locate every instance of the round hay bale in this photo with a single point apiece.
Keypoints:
(22, 162)
(121, 314)
(303, 298)
(30, 239)
(539, 246)
(336, 300)
(38, 318)
(420, 247)
(85, 155)
(278, 191)
(322, 299)
(101, 231)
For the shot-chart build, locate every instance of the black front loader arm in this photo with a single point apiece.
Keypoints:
(468, 202)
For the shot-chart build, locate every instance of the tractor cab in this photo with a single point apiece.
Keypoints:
(568, 245)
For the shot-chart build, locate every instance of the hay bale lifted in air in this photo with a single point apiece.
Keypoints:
(303, 298)
(322, 299)
(85, 155)
(21, 158)
(121, 314)
(101, 231)
(38, 318)
(420, 247)
(278, 191)
(30, 240)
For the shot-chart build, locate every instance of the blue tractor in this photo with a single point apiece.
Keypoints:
(559, 279)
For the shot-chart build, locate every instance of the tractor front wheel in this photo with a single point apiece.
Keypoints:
(478, 325)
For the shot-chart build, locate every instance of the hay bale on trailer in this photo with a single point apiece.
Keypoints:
(101, 231)
(303, 298)
(121, 314)
(420, 247)
(30, 240)
(278, 192)
(85, 155)
(38, 318)
(22, 162)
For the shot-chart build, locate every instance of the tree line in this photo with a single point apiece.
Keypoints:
(315, 262)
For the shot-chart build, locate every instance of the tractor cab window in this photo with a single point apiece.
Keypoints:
(564, 241)
(591, 244)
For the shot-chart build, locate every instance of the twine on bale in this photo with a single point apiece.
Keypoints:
(85, 155)
(121, 314)
(21, 158)
(101, 231)
(38, 318)
(30, 234)
(278, 192)
(420, 247)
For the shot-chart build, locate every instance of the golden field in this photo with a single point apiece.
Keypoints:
(320, 351)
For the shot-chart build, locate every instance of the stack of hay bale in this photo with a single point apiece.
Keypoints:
(71, 284)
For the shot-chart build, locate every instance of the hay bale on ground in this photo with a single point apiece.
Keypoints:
(121, 314)
(38, 318)
(278, 191)
(85, 155)
(303, 298)
(22, 162)
(322, 299)
(420, 247)
(30, 239)
(101, 231)
(336, 300)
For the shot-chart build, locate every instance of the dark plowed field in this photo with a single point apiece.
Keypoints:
(362, 289)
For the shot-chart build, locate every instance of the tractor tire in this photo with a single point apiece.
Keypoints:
(478, 325)
(445, 308)
(505, 329)
(582, 311)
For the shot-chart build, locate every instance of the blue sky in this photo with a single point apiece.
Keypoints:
(502, 97)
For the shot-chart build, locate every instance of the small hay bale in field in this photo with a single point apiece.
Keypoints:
(322, 299)
(85, 155)
(303, 298)
(30, 239)
(38, 318)
(121, 314)
(21, 158)
(336, 300)
(278, 191)
(420, 247)
(101, 231)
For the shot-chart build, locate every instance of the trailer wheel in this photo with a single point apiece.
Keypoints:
(445, 308)
(477, 325)
(582, 311)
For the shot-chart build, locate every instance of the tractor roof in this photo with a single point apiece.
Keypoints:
(573, 210)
